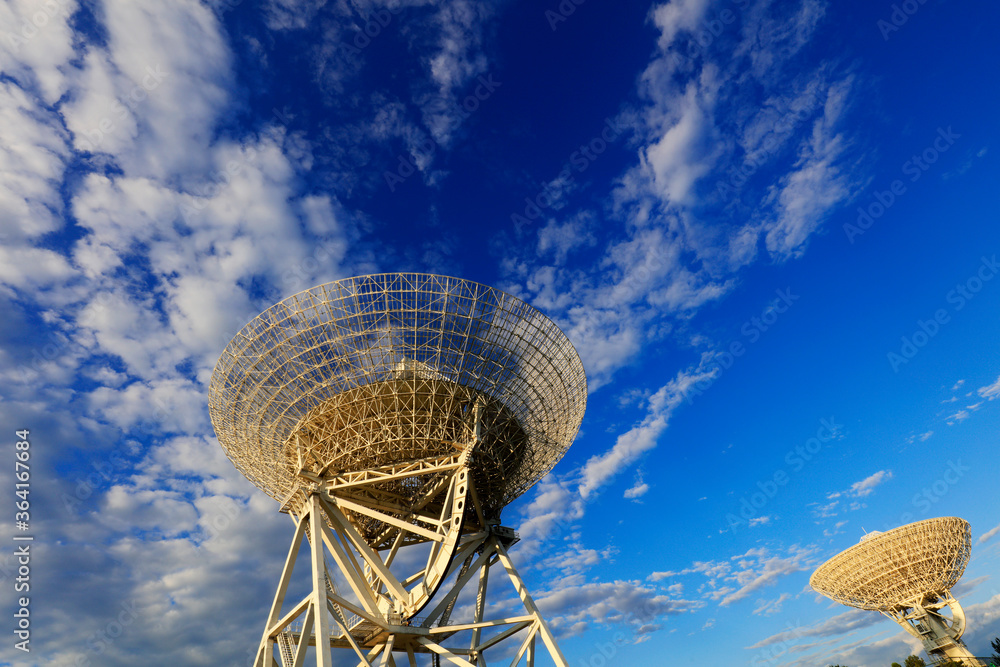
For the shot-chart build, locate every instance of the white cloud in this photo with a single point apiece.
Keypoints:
(860, 489)
(561, 239)
(806, 195)
(840, 624)
(176, 249)
(686, 150)
(772, 35)
(761, 571)
(867, 486)
(170, 405)
(37, 45)
(31, 267)
(676, 16)
(460, 58)
(637, 491)
(291, 14)
(33, 154)
(611, 316)
(771, 607)
(574, 559)
(827, 510)
(629, 446)
(990, 391)
(551, 512)
(861, 647)
(180, 237)
(957, 418)
(669, 262)
(152, 98)
(572, 608)
(771, 127)
(730, 582)
(244, 229)
(989, 534)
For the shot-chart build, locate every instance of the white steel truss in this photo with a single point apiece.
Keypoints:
(907, 574)
(940, 634)
(387, 414)
(386, 618)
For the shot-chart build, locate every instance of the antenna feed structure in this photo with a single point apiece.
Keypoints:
(392, 411)
(907, 574)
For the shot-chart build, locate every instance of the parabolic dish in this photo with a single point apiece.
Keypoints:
(898, 567)
(383, 369)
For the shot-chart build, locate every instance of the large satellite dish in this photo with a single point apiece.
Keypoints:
(907, 574)
(389, 410)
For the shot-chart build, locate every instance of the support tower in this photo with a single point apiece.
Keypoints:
(393, 417)
(907, 574)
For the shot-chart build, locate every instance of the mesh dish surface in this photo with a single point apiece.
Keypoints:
(380, 369)
(898, 567)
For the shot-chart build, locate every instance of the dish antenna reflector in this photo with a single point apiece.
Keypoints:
(385, 412)
(907, 574)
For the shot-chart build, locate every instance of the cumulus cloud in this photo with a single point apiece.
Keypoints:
(866, 486)
(957, 417)
(33, 155)
(637, 491)
(761, 570)
(177, 234)
(817, 184)
(727, 582)
(839, 624)
(989, 534)
(629, 603)
(152, 97)
(632, 444)
(686, 151)
(669, 261)
(679, 15)
(771, 607)
(990, 391)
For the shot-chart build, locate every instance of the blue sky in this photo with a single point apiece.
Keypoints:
(768, 227)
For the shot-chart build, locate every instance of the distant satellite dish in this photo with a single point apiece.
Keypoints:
(907, 573)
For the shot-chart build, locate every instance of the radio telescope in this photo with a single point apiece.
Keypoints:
(389, 415)
(907, 574)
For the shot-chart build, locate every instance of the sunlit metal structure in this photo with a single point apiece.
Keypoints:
(907, 574)
(389, 414)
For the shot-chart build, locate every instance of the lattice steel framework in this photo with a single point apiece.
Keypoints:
(391, 410)
(327, 374)
(907, 574)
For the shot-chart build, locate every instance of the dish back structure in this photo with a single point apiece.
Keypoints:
(907, 574)
(392, 410)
